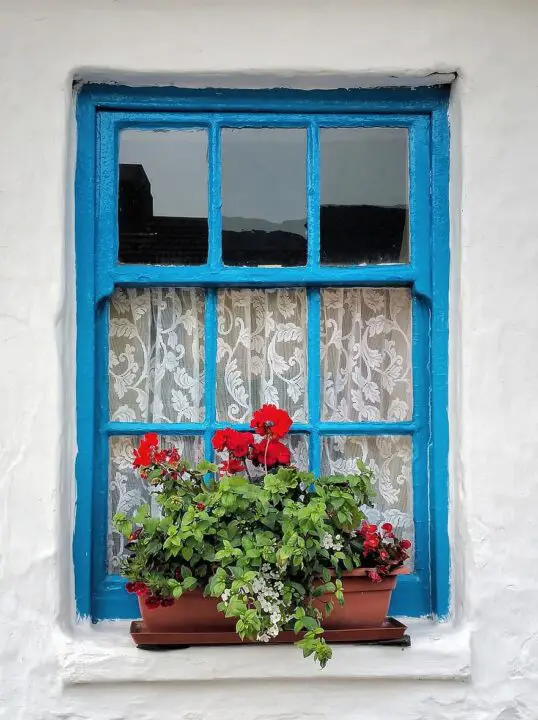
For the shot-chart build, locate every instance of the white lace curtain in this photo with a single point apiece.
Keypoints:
(157, 365)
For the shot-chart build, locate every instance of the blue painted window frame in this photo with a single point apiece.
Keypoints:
(101, 112)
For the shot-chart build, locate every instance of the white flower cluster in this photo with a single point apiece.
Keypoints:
(267, 589)
(330, 543)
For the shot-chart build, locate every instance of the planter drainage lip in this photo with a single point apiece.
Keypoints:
(391, 632)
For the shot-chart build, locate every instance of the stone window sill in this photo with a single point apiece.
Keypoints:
(106, 654)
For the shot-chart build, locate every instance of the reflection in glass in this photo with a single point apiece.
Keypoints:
(162, 199)
(364, 196)
(264, 196)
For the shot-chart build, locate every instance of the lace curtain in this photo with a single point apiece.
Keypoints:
(261, 353)
(156, 374)
(366, 354)
(156, 356)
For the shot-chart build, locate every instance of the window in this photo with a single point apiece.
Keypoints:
(240, 248)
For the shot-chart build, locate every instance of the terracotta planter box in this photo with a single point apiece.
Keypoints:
(366, 606)
(366, 603)
(191, 613)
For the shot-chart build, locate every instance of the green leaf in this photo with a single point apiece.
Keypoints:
(190, 582)
(309, 623)
(177, 592)
(187, 552)
(204, 466)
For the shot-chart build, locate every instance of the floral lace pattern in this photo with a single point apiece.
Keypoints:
(366, 354)
(126, 490)
(390, 459)
(156, 357)
(261, 353)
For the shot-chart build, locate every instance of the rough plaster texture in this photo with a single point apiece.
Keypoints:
(50, 671)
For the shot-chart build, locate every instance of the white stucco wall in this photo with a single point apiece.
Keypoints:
(50, 671)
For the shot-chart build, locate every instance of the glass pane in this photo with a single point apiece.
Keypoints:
(264, 196)
(261, 352)
(156, 355)
(162, 212)
(298, 445)
(126, 490)
(366, 368)
(390, 459)
(364, 196)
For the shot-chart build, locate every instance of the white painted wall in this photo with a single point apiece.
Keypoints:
(48, 668)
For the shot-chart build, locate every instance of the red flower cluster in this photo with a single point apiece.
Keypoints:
(231, 466)
(139, 588)
(237, 443)
(152, 602)
(271, 453)
(381, 550)
(143, 454)
(147, 453)
(270, 421)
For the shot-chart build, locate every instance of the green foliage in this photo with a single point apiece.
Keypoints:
(266, 548)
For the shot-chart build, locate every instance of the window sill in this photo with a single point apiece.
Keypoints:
(105, 654)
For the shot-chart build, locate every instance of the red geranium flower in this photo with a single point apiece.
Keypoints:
(236, 442)
(200, 506)
(239, 443)
(387, 527)
(371, 542)
(271, 421)
(220, 439)
(153, 602)
(141, 589)
(143, 454)
(374, 575)
(231, 466)
(166, 602)
(405, 544)
(130, 587)
(270, 453)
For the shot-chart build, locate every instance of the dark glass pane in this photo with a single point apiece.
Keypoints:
(162, 212)
(364, 196)
(264, 197)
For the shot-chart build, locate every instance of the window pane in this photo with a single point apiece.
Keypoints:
(126, 490)
(364, 196)
(162, 213)
(261, 352)
(390, 459)
(366, 368)
(156, 355)
(264, 196)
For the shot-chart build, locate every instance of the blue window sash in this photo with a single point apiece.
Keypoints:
(102, 112)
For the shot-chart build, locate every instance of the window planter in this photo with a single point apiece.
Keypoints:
(365, 607)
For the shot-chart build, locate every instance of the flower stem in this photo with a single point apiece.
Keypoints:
(266, 449)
